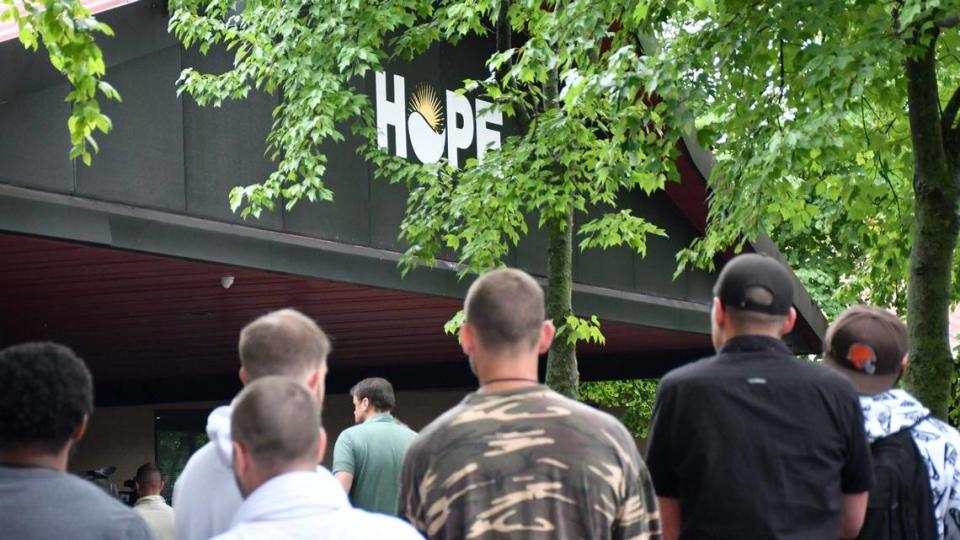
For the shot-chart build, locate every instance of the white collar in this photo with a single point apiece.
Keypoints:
(150, 499)
(293, 495)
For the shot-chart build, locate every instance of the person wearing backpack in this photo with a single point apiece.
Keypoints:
(916, 494)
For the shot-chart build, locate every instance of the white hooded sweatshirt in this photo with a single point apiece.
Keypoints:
(894, 410)
(206, 497)
(310, 506)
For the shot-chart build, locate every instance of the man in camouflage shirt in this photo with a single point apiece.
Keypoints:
(515, 459)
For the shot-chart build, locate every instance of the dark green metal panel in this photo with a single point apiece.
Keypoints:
(33, 129)
(140, 29)
(225, 147)
(348, 218)
(141, 160)
(531, 254)
(387, 202)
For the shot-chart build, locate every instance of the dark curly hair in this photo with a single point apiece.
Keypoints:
(45, 391)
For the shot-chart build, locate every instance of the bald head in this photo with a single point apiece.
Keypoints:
(284, 342)
(277, 422)
(505, 309)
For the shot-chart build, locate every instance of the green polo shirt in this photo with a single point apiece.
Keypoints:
(373, 452)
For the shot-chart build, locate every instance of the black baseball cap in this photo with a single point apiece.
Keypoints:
(867, 344)
(752, 282)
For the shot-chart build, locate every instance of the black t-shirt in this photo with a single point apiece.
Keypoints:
(756, 443)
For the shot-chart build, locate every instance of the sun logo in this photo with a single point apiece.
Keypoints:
(424, 101)
(434, 123)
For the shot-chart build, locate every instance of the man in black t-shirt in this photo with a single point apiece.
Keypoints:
(753, 442)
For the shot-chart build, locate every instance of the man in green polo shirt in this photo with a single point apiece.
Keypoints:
(368, 456)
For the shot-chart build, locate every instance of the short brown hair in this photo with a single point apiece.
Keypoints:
(505, 307)
(283, 342)
(277, 420)
(378, 390)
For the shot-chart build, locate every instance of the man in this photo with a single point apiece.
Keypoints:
(515, 459)
(150, 504)
(869, 346)
(46, 398)
(284, 342)
(367, 457)
(754, 442)
(277, 442)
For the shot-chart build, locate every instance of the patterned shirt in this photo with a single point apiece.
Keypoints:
(527, 463)
(891, 411)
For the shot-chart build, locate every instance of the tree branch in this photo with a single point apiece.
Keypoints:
(948, 21)
(950, 112)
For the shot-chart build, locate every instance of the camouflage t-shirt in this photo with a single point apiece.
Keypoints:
(527, 463)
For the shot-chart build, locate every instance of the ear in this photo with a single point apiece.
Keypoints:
(468, 340)
(313, 380)
(718, 313)
(241, 460)
(547, 331)
(244, 379)
(791, 320)
(365, 403)
(80, 430)
(905, 362)
(322, 447)
(162, 484)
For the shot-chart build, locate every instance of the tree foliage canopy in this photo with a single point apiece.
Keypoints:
(598, 136)
(834, 125)
(805, 106)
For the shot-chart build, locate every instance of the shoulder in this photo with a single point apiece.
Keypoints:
(80, 488)
(202, 459)
(696, 370)
(584, 416)
(113, 515)
(700, 374)
(948, 433)
(584, 412)
(382, 525)
(202, 466)
(403, 429)
(350, 433)
(824, 377)
(194, 503)
(92, 496)
(436, 428)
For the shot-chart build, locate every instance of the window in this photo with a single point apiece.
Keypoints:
(178, 433)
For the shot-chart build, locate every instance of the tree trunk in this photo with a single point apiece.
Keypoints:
(935, 228)
(562, 373)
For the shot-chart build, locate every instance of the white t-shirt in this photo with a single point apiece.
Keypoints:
(158, 515)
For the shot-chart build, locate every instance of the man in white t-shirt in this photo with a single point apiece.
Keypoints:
(277, 442)
(150, 504)
(284, 342)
